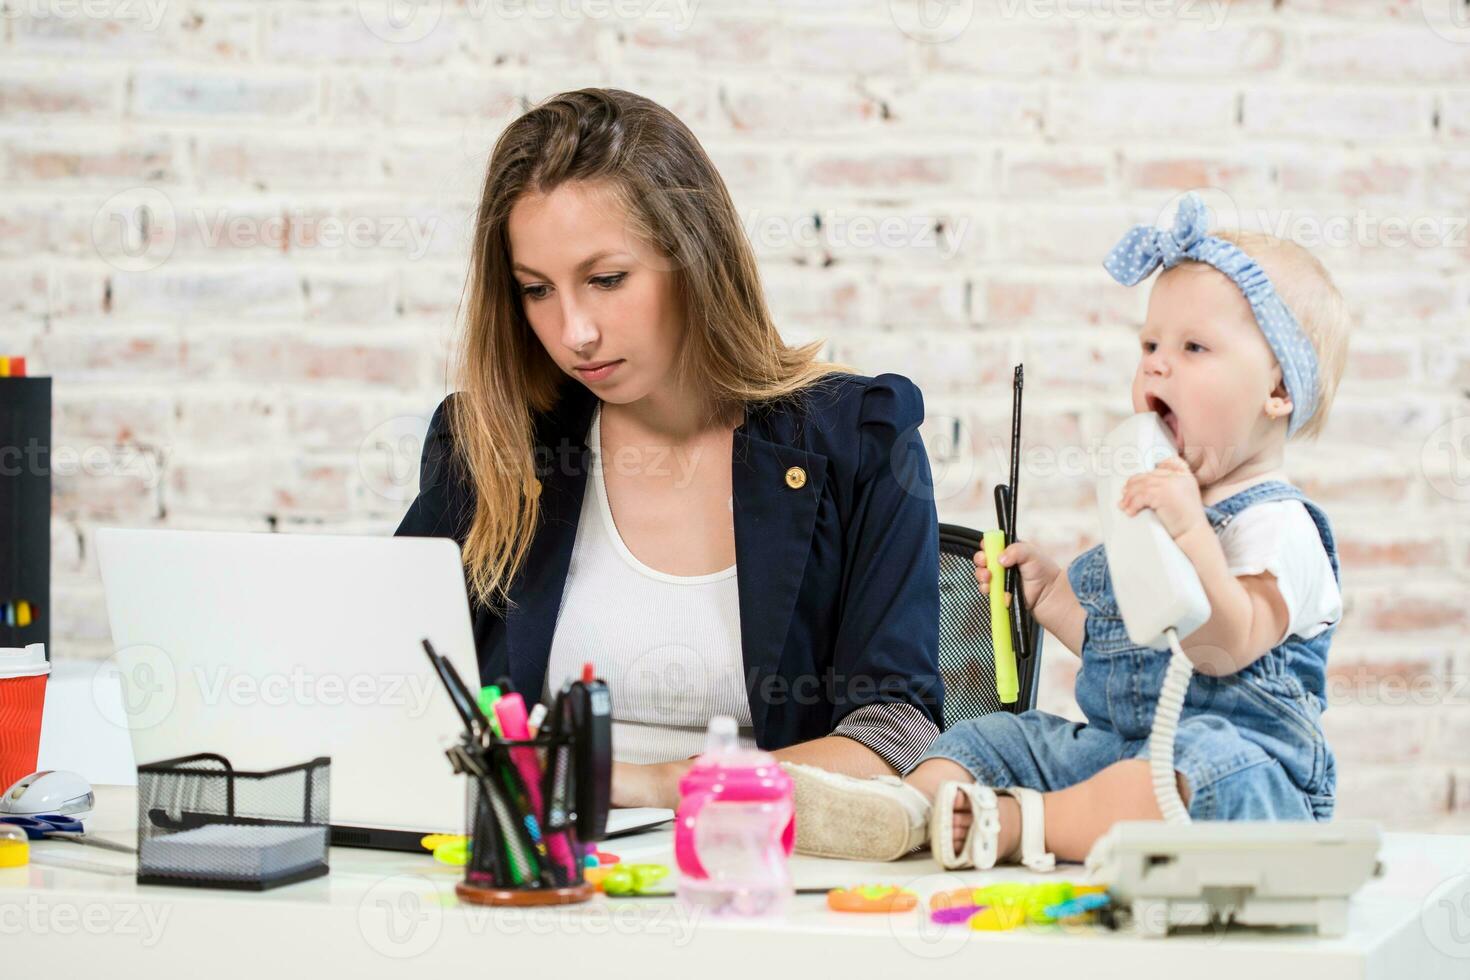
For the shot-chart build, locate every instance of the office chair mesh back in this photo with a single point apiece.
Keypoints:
(966, 656)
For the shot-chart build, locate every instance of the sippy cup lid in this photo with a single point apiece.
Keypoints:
(722, 736)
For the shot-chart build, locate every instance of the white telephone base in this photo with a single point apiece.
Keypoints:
(1253, 873)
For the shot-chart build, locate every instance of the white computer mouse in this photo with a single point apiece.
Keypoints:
(48, 791)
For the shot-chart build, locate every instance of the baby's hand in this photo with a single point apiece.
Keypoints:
(1037, 571)
(1169, 490)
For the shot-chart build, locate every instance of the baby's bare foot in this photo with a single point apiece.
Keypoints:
(962, 820)
(1008, 810)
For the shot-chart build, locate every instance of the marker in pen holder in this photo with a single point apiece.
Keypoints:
(518, 855)
(532, 801)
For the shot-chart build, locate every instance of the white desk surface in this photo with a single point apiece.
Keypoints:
(380, 914)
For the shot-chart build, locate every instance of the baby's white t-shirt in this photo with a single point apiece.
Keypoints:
(1281, 538)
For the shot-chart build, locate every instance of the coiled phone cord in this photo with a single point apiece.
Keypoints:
(1166, 724)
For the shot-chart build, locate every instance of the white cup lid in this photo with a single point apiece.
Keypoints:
(24, 661)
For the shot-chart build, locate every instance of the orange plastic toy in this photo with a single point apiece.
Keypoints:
(871, 898)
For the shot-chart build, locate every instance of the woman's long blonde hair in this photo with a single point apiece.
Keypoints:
(675, 202)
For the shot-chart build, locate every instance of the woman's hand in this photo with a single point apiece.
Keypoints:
(1038, 573)
(648, 785)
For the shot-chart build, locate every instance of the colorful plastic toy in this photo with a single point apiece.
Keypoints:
(1043, 897)
(953, 915)
(452, 849)
(430, 841)
(627, 879)
(1081, 905)
(958, 898)
(998, 918)
(15, 847)
(871, 898)
(1007, 905)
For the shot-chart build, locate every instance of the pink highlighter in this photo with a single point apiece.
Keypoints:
(510, 711)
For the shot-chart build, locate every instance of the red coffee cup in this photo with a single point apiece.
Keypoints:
(23, 675)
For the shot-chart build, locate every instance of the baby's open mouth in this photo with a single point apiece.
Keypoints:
(1167, 416)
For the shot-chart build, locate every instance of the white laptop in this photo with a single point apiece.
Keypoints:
(273, 649)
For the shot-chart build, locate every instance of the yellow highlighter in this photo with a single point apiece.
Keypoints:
(1007, 687)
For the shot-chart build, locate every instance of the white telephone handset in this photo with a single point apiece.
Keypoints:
(1156, 585)
(1159, 593)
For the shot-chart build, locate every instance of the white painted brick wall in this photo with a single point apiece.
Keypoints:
(314, 185)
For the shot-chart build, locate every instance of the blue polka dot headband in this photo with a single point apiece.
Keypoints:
(1145, 248)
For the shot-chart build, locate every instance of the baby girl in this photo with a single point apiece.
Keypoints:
(1241, 351)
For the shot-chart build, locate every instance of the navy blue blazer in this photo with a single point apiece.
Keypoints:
(838, 576)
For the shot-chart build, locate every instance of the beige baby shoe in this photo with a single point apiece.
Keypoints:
(877, 819)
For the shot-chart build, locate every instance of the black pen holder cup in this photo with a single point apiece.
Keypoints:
(511, 860)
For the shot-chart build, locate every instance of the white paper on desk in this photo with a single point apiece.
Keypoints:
(226, 850)
(634, 818)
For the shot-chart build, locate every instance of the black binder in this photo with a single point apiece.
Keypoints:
(25, 508)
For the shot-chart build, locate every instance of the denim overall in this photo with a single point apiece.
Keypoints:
(1250, 744)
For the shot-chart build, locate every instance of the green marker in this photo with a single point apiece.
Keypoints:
(488, 696)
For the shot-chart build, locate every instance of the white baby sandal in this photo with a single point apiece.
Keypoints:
(980, 844)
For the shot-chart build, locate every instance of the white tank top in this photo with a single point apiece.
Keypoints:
(667, 645)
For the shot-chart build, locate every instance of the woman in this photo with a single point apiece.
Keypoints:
(641, 474)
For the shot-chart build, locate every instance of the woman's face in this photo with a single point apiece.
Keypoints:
(597, 298)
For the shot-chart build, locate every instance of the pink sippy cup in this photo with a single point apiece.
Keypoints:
(735, 828)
